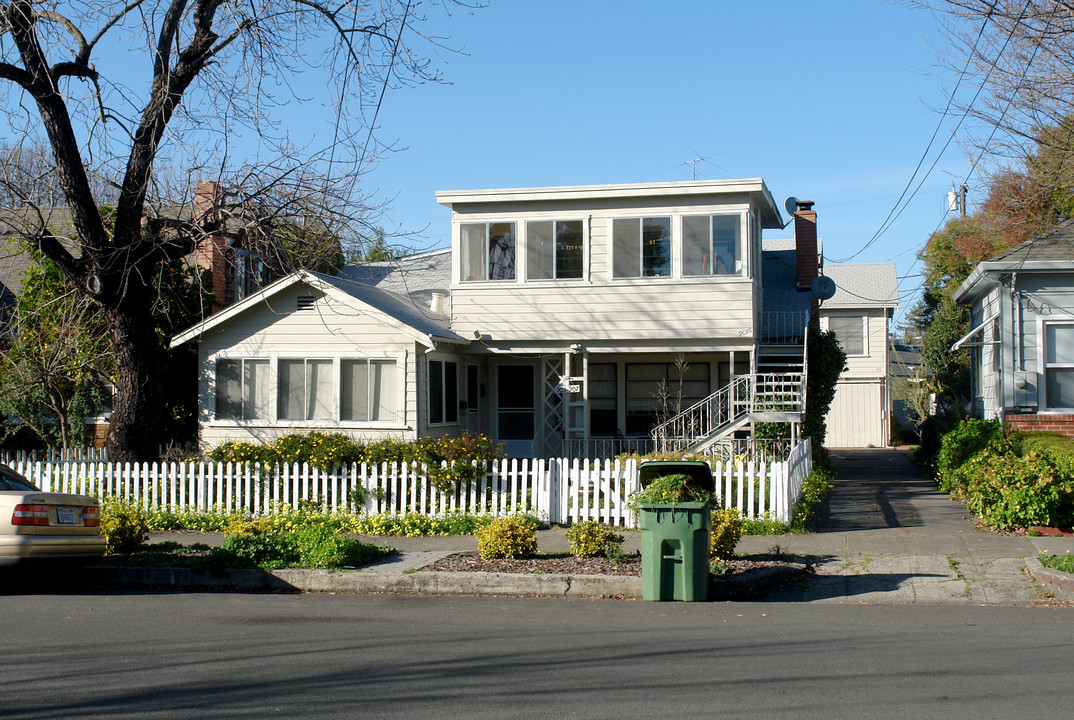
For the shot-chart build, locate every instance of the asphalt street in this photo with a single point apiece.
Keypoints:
(208, 655)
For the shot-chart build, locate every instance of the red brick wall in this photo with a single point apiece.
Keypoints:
(1062, 424)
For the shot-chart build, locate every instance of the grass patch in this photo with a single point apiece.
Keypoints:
(1058, 562)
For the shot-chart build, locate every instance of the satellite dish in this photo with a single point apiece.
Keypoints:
(791, 204)
(823, 287)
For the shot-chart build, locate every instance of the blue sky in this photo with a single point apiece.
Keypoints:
(829, 101)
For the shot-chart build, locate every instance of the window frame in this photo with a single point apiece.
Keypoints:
(486, 259)
(369, 421)
(333, 401)
(640, 247)
(449, 411)
(741, 250)
(668, 368)
(242, 389)
(1045, 366)
(864, 333)
(556, 222)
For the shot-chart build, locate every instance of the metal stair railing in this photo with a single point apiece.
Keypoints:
(702, 419)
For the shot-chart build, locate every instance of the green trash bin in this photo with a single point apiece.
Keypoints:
(675, 550)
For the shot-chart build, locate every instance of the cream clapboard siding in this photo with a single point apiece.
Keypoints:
(274, 330)
(650, 309)
(856, 416)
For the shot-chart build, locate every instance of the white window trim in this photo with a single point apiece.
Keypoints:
(675, 253)
(864, 332)
(242, 375)
(1042, 390)
(519, 250)
(400, 397)
(276, 422)
(743, 244)
(523, 247)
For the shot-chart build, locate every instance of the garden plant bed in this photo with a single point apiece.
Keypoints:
(565, 564)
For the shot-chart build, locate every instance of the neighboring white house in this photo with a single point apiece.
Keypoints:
(865, 298)
(1021, 340)
(584, 320)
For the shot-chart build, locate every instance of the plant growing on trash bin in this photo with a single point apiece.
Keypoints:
(592, 538)
(670, 490)
(507, 537)
(726, 532)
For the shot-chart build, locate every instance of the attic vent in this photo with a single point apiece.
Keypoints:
(305, 302)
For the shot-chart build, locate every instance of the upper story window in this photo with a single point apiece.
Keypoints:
(1059, 365)
(641, 247)
(555, 250)
(850, 332)
(488, 251)
(242, 389)
(712, 245)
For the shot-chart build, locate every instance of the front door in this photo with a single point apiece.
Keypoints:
(516, 409)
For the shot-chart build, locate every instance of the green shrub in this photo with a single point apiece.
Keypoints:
(507, 537)
(123, 525)
(726, 532)
(592, 538)
(815, 488)
(970, 437)
(671, 490)
(1006, 490)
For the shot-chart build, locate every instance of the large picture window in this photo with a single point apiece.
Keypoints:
(443, 392)
(850, 332)
(641, 247)
(712, 245)
(555, 250)
(1059, 365)
(488, 251)
(304, 389)
(368, 391)
(242, 389)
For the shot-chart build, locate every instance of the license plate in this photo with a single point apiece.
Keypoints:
(66, 516)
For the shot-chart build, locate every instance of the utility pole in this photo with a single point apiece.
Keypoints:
(956, 200)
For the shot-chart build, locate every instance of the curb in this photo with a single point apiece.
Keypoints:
(744, 586)
(1063, 581)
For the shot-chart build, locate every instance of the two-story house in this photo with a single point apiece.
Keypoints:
(581, 320)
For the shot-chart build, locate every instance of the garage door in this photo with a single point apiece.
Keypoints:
(856, 418)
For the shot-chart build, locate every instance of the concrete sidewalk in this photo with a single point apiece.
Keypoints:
(885, 536)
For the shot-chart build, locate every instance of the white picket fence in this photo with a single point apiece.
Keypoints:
(560, 490)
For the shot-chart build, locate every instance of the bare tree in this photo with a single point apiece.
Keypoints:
(212, 72)
(1020, 53)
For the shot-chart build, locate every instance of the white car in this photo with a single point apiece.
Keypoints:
(37, 525)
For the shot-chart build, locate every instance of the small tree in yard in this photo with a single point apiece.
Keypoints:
(193, 76)
(55, 362)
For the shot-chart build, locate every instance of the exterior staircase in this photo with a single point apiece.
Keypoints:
(774, 392)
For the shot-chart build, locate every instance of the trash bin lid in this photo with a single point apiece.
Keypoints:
(699, 472)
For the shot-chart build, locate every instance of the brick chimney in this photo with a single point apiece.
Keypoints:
(805, 243)
(211, 252)
(207, 197)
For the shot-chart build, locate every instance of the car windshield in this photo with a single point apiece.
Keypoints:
(11, 480)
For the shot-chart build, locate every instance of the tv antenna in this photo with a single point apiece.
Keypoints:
(699, 174)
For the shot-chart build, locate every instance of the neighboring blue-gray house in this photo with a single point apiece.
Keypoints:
(1022, 338)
